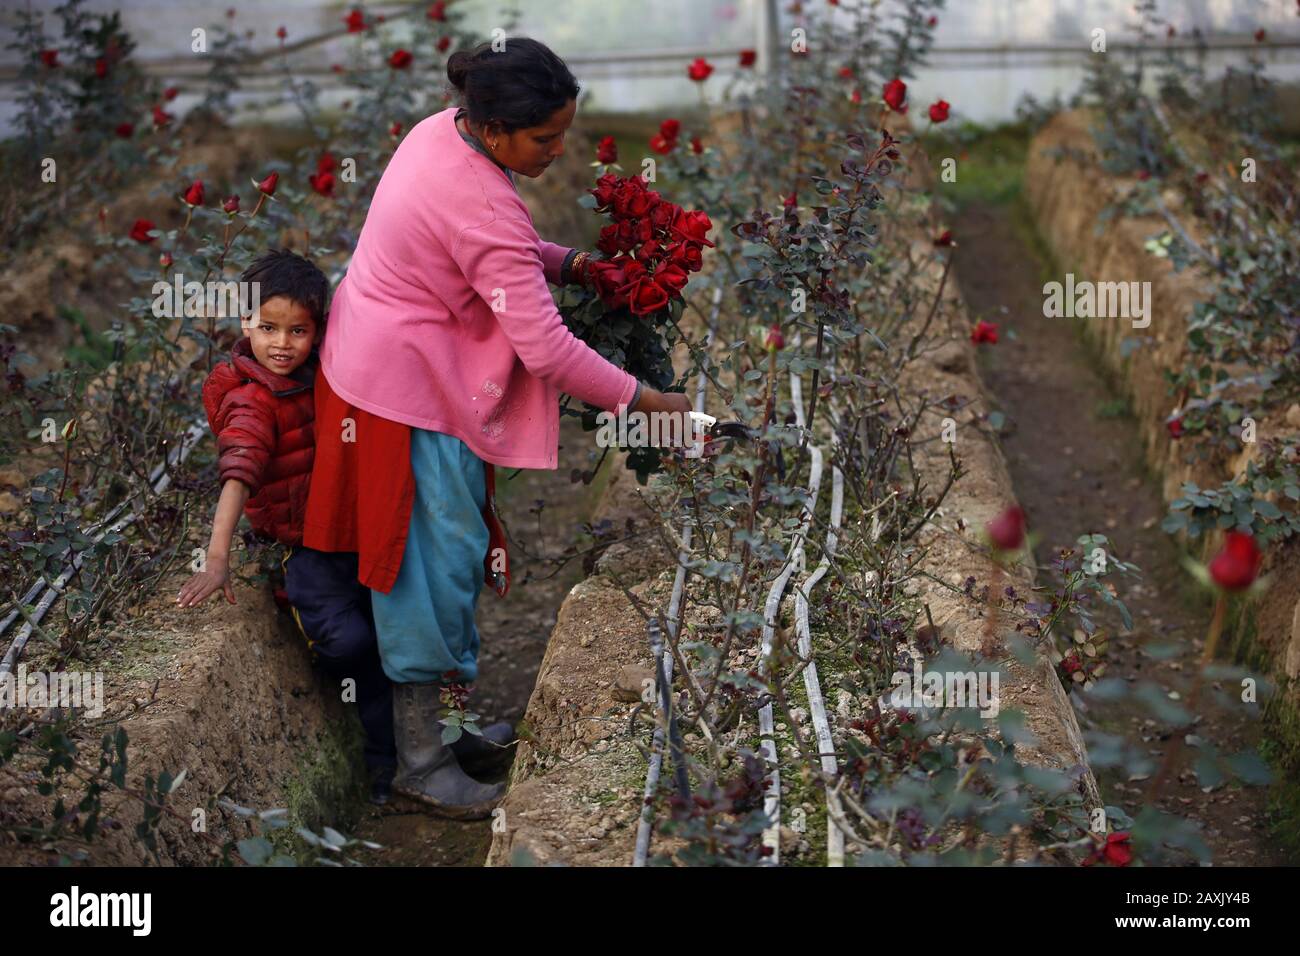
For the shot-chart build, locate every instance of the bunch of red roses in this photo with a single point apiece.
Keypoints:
(652, 245)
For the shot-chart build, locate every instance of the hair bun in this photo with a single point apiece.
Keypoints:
(458, 68)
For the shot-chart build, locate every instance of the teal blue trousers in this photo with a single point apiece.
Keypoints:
(426, 622)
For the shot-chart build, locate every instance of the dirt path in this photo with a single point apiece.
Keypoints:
(514, 633)
(1075, 460)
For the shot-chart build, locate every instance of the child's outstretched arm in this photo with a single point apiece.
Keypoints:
(215, 575)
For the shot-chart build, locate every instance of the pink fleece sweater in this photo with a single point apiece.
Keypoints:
(444, 320)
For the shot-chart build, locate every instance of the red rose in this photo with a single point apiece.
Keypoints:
(686, 256)
(1260, 35)
(101, 68)
(606, 190)
(124, 130)
(633, 271)
(395, 130)
(747, 57)
(846, 73)
(699, 69)
(282, 33)
(1007, 530)
(939, 111)
(268, 184)
(160, 117)
(697, 146)
(400, 59)
(647, 297)
(694, 226)
(231, 205)
(1117, 851)
(650, 251)
(1175, 427)
(932, 22)
(609, 279)
(169, 94)
(775, 341)
(194, 195)
(140, 231)
(165, 260)
(607, 151)
(337, 67)
(438, 11)
(608, 241)
(671, 278)
(664, 216)
(661, 145)
(635, 201)
(443, 43)
(356, 21)
(855, 96)
(944, 238)
(1234, 568)
(323, 183)
(50, 58)
(326, 163)
(984, 333)
(670, 128)
(895, 93)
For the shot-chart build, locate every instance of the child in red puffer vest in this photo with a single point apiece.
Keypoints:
(261, 408)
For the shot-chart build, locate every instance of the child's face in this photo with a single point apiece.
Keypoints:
(282, 333)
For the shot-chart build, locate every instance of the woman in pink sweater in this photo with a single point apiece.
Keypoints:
(445, 352)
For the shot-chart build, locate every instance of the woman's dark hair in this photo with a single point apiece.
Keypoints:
(518, 87)
(281, 272)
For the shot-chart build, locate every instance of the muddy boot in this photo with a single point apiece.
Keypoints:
(427, 770)
(477, 753)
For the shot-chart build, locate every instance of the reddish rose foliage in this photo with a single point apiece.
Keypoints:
(652, 245)
(939, 111)
(194, 195)
(1007, 530)
(984, 333)
(607, 151)
(140, 230)
(895, 93)
(699, 69)
(1235, 567)
(400, 59)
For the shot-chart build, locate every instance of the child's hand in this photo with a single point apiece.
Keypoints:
(214, 577)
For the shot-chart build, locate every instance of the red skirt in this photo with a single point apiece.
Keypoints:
(362, 491)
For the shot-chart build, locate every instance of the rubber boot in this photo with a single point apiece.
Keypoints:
(477, 753)
(427, 769)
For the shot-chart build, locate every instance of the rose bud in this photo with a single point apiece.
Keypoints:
(194, 195)
(140, 230)
(1175, 427)
(1007, 530)
(50, 58)
(282, 33)
(124, 130)
(400, 59)
(895, 93)
(939, 111)
(169, 94)
(775, 341)
(984, 333)
(1234, 568)
(165, 260)
(267, 185)
(699, 69)
(231, 205)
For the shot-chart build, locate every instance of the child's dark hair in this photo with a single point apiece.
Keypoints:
(518, 87)
(281, 272)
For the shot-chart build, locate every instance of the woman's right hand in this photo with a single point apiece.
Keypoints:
(654, 402)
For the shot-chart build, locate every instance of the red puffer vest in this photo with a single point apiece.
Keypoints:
(265, 438)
